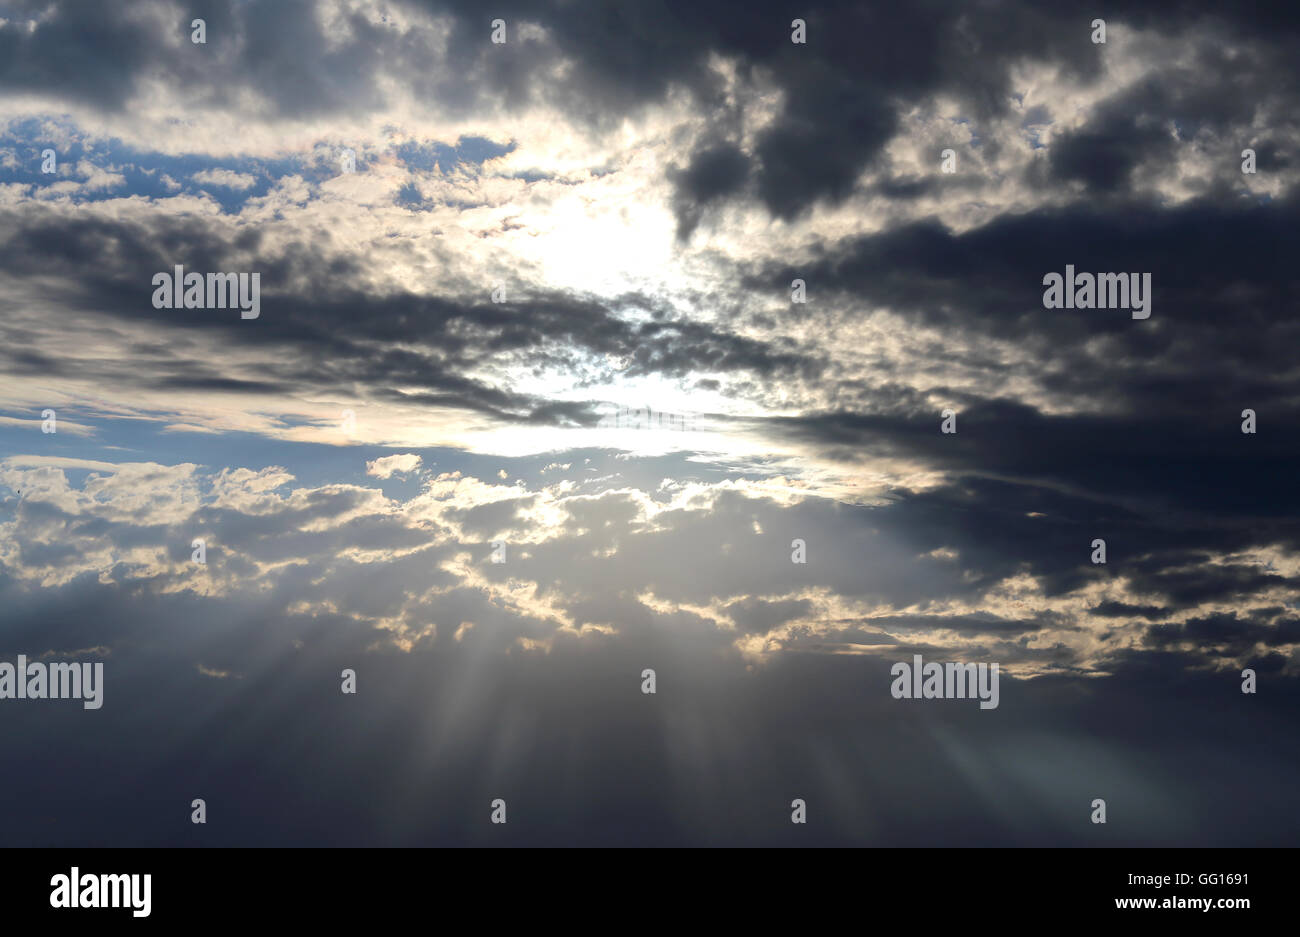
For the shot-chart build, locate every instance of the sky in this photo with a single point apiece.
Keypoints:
(609, 338)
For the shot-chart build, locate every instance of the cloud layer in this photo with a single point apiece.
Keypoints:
(539, 294)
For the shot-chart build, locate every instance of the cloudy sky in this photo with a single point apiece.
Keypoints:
(538, 293)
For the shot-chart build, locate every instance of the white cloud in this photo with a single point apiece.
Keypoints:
(390, 465)
(225, 178)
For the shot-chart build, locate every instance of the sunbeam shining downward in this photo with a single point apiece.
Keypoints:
(676, 424)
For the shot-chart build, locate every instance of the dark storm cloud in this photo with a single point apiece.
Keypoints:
(1197, 467)
(1104, 153)
(817, 148)
(1215, 264)
(980, 623)
(761, 616)
(190, 380)
(1111, 609)
(712, 174)
(342, 336)
(842, 90)
(582, 757)
(85, 52)
(486, 520)
(1152, 460)
(1167, 463)
(1209, 92)
(1157, 536)
(1225, 634)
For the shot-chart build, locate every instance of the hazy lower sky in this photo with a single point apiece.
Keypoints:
(539, 293)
